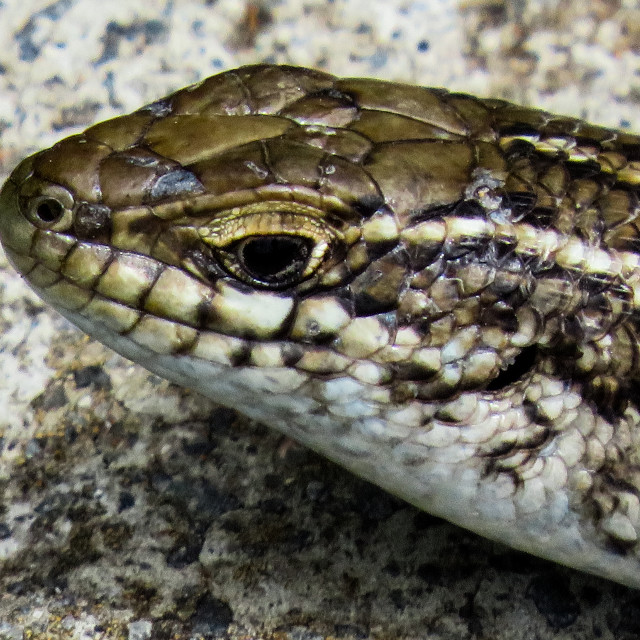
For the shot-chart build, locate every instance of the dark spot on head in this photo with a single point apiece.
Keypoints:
(511, 263)
(425, 255)
(92, 221)
(631, 152)
(507, 281)
(368, 205)
(549, 270)
(377, 289)
(126, 500)
(580, 170)
(620, 547)
(412, 372)
(614, 481)
(519, 149)
(502, 449)
(203, 313)
(519, 129)
(174, 184)
(146, 225)
(573, 326)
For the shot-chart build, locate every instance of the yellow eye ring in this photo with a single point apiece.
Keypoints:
(271, 244)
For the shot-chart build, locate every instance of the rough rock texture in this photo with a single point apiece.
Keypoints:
(130, 508)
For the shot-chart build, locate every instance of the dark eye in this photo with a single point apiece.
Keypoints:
(276, 260)
(49, 210)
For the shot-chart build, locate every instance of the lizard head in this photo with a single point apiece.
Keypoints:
(246, 233)
(273, 274)
(337, 229)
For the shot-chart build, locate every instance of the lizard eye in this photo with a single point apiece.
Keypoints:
(270, 248)
(274, 260)
(47, 206)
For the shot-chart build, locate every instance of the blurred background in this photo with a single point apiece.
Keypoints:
(133, 509)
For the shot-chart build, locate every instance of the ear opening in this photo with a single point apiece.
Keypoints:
(522, 364)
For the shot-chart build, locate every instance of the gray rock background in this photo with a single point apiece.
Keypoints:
(131, 508)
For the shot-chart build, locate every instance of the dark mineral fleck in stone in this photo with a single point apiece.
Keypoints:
(212, 617)
(554, 600)
(92, 375)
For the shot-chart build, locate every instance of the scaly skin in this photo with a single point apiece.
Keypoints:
(438, 292)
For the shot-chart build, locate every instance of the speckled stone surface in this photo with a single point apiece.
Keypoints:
(130, 508)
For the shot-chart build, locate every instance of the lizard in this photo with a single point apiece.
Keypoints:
(436, 291)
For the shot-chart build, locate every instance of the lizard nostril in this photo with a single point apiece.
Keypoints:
(46, 205)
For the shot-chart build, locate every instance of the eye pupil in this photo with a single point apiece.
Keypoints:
(49, 210)
(277, 260)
